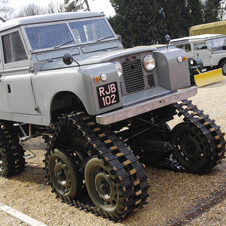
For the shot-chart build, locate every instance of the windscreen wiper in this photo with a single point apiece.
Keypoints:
(105, 38)
(63, 44)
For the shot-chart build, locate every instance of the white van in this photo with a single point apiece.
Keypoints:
(210, 48)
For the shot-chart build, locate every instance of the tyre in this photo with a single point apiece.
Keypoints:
(11, 152)
(63, 173)
(223, 66)
(104, 192)
(192, 150)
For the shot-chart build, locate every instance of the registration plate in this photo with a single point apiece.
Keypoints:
(108, 94)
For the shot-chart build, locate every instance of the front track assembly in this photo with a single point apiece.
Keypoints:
(116, 167)
(208, 132)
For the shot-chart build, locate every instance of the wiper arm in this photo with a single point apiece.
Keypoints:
(104, 38)
(63, 44)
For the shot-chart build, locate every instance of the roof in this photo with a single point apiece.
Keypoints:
(196, 38)
(47, 18)
(210, 28)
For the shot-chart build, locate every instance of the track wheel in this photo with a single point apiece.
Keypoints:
(104, 192)
(192, 150)
(11, 152)
(64, 174)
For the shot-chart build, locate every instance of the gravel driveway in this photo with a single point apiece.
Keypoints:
(172, 194)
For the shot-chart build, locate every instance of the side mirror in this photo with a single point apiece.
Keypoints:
(167, 38)
(68, 59)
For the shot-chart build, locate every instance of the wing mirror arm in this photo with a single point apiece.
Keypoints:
(68, 59)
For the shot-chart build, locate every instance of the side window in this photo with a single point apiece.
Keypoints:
(13, 48)
(200, 46)
(185, 47)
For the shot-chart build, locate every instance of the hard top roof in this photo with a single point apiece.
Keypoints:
(196, 38)
(47, 18)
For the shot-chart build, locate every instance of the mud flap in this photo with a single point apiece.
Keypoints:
(209, 77)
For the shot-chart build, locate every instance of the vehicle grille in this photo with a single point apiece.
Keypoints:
(134, 79)
(133, 76)
(151, 81)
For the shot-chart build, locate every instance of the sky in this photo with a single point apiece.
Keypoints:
(95, 5)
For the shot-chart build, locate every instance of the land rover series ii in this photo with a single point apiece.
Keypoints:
(66, 77)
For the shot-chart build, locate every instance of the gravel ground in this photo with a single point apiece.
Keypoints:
(172, 194)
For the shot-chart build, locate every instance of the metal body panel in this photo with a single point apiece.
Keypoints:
(171, 74)
(135, 110)
(20, 94)
(4, 106)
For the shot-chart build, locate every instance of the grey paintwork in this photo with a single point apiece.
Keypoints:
(29, 87)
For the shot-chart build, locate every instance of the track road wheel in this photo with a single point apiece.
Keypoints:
(64, 174)
(104, 192)
(192, 150)
(11, 152)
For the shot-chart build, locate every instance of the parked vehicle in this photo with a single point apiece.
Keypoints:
(210, 48)
(66, 77)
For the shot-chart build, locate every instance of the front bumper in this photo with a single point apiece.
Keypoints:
(138, 109)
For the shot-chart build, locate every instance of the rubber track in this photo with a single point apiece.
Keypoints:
(124, 164)
(209, 129)
(12, 150)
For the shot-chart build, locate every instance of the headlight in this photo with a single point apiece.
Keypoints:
(149, 62)
(118, 67)
(191, 61)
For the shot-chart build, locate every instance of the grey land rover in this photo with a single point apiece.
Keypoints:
(102, 109)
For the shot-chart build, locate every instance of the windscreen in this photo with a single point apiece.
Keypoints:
(217, 44)
(56, 35)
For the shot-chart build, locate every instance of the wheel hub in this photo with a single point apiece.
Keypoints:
(61, 174)
(1, 166)
(103, 185)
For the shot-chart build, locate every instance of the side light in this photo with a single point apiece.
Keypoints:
(149, 62)
(118, 67)
(103, 77)
(184, 58)
(96, 78)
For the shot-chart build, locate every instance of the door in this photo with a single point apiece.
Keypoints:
(201, 51)
(17, 78)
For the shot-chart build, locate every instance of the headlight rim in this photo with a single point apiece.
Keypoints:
(118, 67)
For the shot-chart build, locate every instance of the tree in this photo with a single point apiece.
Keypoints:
(30, 10)
(137, 21)
(5, 11)
(211, 9)
(180, 15)
(76, 5)
(55, 8)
